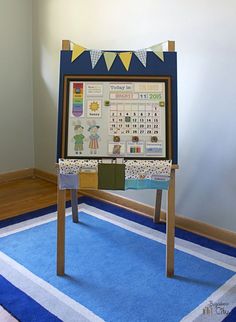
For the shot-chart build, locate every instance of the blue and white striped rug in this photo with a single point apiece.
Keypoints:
(115, 270)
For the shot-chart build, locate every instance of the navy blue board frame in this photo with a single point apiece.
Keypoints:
(155, 67)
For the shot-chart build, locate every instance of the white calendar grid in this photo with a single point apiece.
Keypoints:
(126, 119)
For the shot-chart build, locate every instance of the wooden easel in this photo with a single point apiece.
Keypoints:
(170, 210)
(170, 223)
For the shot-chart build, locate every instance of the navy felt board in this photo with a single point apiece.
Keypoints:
(155, 67)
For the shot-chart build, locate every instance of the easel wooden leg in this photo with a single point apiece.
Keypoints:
(157, 210)
(170, 227)
(61, 200)
(74, 205)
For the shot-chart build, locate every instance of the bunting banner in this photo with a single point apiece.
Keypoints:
(125, 57)
(95, 56)
(109, 58)
(142, 56)
(77, 51)
(158, 51)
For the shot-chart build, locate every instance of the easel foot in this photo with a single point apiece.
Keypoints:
(75, 220)
(170, 274)
(60, 272)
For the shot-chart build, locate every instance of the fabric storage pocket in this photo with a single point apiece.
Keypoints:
(141, 184)
(88, 179)
(68, 181)
(111, 176)
(119, 176)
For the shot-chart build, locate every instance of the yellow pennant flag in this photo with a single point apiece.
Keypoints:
(77, 51)
(109, 58)
(158, 51)
(126, 58)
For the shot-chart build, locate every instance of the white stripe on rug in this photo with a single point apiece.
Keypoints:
(216, 297)
(5, 316)
(56, 302)
(30, 223)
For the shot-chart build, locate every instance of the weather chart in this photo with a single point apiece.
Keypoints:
(117, 119)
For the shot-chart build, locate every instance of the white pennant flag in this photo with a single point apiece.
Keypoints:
(142, 56)
(158, 51)
(95, 56)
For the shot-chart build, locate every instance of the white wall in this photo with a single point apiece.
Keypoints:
(204, 35)
(16, 94)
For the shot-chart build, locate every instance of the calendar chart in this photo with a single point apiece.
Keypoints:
(127, 119)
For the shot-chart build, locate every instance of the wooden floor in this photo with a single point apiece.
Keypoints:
(23, 195)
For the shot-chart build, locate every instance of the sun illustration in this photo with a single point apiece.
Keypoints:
(94, 106)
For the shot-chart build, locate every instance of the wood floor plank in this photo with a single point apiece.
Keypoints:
(23, 195)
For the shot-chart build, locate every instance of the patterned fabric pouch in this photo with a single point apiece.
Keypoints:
(147, 174)
(78, 174)
(73, 166)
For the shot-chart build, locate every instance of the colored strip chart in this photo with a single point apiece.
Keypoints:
(78, 91)
(137, 148)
